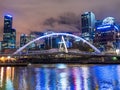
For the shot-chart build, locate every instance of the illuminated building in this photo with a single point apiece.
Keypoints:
(37, 34)
(9, 34)
(98, 23)
(24, 39)
(50, 40)
(88, 25)
(54, 42)
(107, 35)
(13, 38)
(40, 43)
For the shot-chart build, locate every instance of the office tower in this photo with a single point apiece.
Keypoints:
(7, 27)
(9, 34)
(48, 40)
(40, 44)
(24, 39)
(36, 33)
(13, 38)
(98, 23)
(88, 25)
(7, 23)
(107, 35)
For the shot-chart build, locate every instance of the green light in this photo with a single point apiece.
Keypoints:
(114, 58)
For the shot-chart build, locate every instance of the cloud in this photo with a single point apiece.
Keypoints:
(30, 14)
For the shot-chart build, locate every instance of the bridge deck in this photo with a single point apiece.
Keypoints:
(73, 56)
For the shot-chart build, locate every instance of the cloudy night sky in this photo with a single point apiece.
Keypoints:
(29, 15)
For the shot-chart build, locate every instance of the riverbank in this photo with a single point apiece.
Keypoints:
(31, 61)
(13, 64)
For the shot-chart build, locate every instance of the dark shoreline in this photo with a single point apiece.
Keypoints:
(74, 61)
(13, 64)
(43, 63)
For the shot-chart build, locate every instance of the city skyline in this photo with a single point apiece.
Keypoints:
(29, 15)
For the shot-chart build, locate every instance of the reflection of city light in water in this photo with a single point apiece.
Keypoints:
(52, 79)
(106, 77)
(22, 80)
(85, 75)
(61, 66)
(47, 79)
(62, 79)
(9, 83)
(37, 87)
(118, 72)
(1, 76)
(77, 79)
(42, 79)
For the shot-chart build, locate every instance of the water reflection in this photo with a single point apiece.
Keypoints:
(106, 77)
(61, 77)
(6, 78)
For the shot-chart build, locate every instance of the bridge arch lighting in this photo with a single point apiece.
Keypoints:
(58, 34)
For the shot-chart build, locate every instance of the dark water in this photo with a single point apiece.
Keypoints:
(60, 77)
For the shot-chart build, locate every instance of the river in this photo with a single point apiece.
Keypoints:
(60, 77)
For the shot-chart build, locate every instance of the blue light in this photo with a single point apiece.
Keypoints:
(108, 21)
(8, 15)
(103, 27)
(116, 28)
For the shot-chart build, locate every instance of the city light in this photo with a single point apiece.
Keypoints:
(108, 21)
(103, 27)
(114, 58)
(2, 59)
(118, 51)
(116, 27)
(9, 15)
(8, 57)
(61, 66)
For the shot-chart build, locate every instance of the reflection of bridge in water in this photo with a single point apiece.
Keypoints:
(61, 55)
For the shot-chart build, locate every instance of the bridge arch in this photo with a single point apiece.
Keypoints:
(57, 34)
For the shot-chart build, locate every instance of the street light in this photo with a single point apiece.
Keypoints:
(8, 57)
(117, 51)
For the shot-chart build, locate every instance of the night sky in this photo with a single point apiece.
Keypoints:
(29, 15)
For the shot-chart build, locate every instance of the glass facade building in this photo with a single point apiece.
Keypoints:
(38, 44)
(9, 34)
(24, 39)
(107, 37)
(88, 25)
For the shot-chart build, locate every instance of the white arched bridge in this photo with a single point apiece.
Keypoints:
(62, 54)
(63, 41)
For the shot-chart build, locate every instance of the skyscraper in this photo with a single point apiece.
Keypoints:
(88, 25)
(24, 39)
(13, 38)
(107, 35)
(9, 34)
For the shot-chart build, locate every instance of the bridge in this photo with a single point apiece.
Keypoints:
(62, 54)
